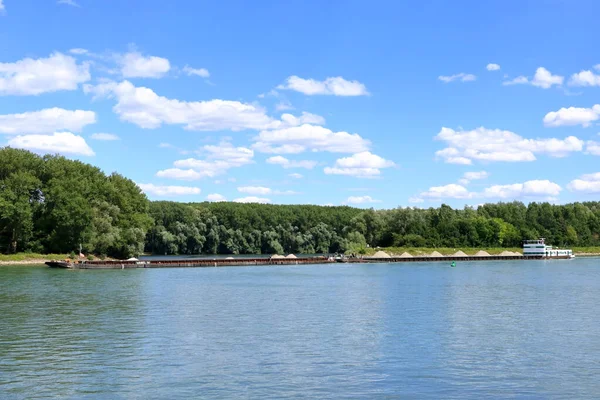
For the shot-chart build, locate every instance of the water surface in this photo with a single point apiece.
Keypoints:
(526, 329)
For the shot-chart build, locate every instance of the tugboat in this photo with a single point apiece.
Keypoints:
(539, 248)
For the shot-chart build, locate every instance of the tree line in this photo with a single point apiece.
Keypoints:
(52, 204)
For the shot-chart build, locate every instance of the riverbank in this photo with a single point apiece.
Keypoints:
(29, 258)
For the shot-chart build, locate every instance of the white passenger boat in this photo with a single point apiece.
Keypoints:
(539, 248)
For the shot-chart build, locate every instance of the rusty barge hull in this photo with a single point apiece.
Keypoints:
(241, 262)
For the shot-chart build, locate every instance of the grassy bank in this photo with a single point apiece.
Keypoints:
(421, 251)
(29, 258)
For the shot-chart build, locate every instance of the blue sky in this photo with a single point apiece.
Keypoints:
(374, 104)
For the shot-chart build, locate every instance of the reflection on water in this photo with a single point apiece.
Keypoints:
(499, 329)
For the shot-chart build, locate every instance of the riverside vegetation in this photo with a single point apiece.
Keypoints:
(51, 204)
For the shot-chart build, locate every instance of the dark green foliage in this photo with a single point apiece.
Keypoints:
(51, 204)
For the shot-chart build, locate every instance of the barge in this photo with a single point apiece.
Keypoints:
(239, 262)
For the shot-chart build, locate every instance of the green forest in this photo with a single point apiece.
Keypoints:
(50, 204)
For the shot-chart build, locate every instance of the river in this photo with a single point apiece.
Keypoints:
(526, 329)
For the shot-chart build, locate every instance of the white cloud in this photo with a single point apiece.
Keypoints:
(143, 107)
(457, 77)
(593, 148)
(259, 190)
(43, 75)
(69, 3)
(542, 78)
(361, 165)
(78, 51)
(283, 105)
(59, 142)
(572, 116)
(2, 8)
(585, 78)
(308, 138)
(305, 118)
(452, 191)
(180, 174)
(201, 72)
(219, 159)
(215, 197)
(361, 200)
(534, 188)
(48, 120)
(296, 176)
(519, 80)
(483, 144)
(252, 199)
(589, 183)
(336, 86)
(168, 190)
(493, 67)
(285, 163)
(136, 65)
(472, 176)
(105, 136)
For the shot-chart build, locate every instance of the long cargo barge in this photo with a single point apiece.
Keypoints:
(239, 262)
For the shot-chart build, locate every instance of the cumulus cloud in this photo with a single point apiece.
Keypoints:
(2, 8)
(150, 188)
(452, 191)
(593, 148)
(253, 199)
(462, 77)
(529, 189)
(261, 190)
(285, 163)
(48, 120)
(79, 51)
(534, 188)
(588, 183)
(361, 165)
(542, 78)
(143, 107)
(308, 138)
(483, 144)
(215, 197)
(336, 86)
(296, 176)
(493, 67)
(472, 176)
(105, 136)
(43, 75)
(219, 159)
(585, 78)
(572, 116)
(201, 72)
(361, 200)
(59, 142)
(137, 65)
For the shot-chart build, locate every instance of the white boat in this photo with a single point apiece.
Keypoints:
(539, 248)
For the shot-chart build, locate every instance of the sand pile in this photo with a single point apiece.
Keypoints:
(516, 253)
(506, 253)
(460, 253)
(381, 254)
(436, 254)
(482, 253)
(291, 256)
(277, 256)
(405, 255)
(229, 258)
